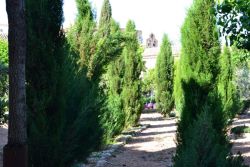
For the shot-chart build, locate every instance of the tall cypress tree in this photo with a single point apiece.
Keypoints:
(202, 117)
(131, 94)
(199, 61)
(113, 118)
(45, 82)
(164, 77)
(199, 58)
(91, 51)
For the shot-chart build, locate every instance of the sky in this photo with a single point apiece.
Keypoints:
(150, 16)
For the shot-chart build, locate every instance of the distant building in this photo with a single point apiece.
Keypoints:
(151, 42)
(152, 49)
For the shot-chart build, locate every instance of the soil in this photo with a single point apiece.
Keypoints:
(154, 147)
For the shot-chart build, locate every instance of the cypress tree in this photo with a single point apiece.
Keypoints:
(91, 51)
(199, 62)
(113, 118)
(199, 58)
(133, 64)
(105, 19)
(164, 77)
(226, 87)
(45, 82)
(202, 115)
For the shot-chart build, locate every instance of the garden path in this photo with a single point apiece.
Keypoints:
(3, 141)
(154, 147)
(242, 143)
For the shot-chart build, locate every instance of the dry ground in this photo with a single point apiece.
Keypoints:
(242, 143)
(3, 141)
(154, 147)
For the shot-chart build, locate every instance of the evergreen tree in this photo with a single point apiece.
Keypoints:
(226, 87)
(202, 117)
(164, 77)
(113, 118)
(105, 19)
(133, 64)
(199, 57)
(45, 82)
(87, 112)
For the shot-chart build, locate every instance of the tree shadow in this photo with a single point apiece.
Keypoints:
(132, 157)
(243, 148)
(139, 152)
(163, 125)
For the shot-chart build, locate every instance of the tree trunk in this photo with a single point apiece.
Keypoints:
(15, 152)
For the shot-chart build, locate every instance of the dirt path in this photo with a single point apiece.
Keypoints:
(154, 147)
(242, 143)
(3, 141)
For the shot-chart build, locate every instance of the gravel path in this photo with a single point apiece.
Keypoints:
(3, 141)
(242, 143)
(154, 147)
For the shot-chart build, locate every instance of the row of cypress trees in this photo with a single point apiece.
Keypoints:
(207, 98)
(83, 86)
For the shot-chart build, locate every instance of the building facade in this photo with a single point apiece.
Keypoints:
(152, 49)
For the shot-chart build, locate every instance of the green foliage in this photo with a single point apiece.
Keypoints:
(4, 52)
(200, 45)
(105, 19)
(3, 81)
(165, 77)
(113, 116)
(133, 64)
(201, 132)
(226, 85)
(46, 82)
(234, 18)
(178, 93)
(204, 147)
(148, 82)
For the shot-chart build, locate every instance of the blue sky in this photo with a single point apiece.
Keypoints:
(157, 16)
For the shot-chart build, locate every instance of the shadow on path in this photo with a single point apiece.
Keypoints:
(3, 142)
(154, 147)
(242, 144)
